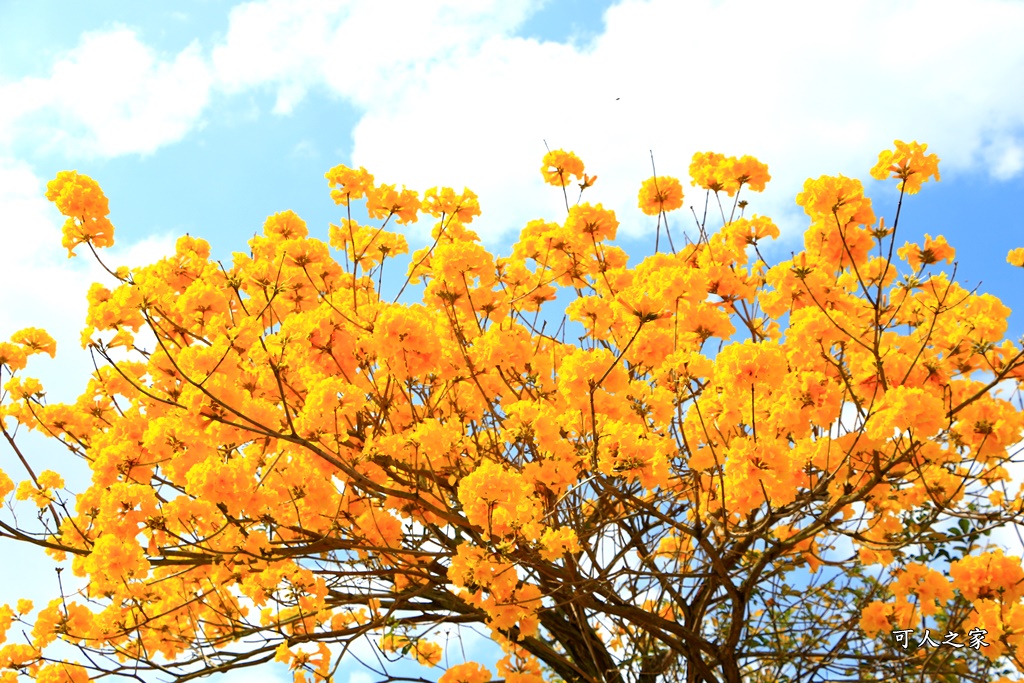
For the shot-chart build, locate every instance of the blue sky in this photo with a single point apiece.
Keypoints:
(205, 117)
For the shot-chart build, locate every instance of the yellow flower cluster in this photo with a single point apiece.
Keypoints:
(909, 163)
(80, 199)
(559, 165)
(660, 194)
(289, 437)
(719, 173)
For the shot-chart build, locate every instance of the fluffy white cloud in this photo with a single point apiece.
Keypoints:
(110, 95)
(449, 95)
(1004, 156)
(365, 51)
(811, 89)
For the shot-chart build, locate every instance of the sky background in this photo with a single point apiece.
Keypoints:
(206, 117)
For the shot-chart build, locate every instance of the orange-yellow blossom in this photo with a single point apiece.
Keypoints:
(445, 202)
(384, 201)
(660, 194)
(717, 172)
(909, 163)
(929, 585)
(350, 183)
(934, 250)
(80, 198)
(13, 356)
(594, 222)
(499, 501)
(291, 432)
(470, 672)
(558, 165)
(62, 672)
(557, 542)
(36, 341)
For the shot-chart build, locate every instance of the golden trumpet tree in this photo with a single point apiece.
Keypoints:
(741, 472)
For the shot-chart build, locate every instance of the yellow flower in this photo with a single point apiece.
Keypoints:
(498, 500)
(27, 491)
(986, 575)
(427, 653)
(14, 357)
(929, 585)
(352, 184)
(6, 485)
(557, 542)
(738, 367)
(1016, 257)
(836, 198)
(393, 642)
(933, 251)
(48, 479)
(385, 201)
(77, 196)
(558, 165)
(80, 198)
(408, 339)
(62, 672)
(445, 202)
(717, 172)
(283, 654)
(744, 231)
(595, 221)
(748, 171)
(284, 225)
(24, 387)
(660, 194)
(37, 340)
(6, 619)
(909, 163)
(705, 170)
(875, 618)
(470, 672)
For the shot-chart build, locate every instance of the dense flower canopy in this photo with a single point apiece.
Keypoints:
(283, 462)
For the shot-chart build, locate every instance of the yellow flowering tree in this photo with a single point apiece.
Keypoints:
(742, 472)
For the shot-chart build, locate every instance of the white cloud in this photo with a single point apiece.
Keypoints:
(1005, 157)
(450, 97)
(109, 96)
(365, 51)
(821, 95)
(305, 149)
